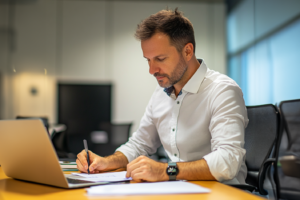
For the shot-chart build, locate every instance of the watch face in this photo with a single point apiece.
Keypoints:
(171, 170)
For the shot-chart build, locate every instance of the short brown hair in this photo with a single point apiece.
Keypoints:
(172, 23)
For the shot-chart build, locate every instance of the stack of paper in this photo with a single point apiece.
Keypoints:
(68, 166)
(168, 187)
(104, 177)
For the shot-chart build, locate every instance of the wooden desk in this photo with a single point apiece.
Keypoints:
(11, 189)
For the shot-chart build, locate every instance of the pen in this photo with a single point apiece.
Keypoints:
(87, 153)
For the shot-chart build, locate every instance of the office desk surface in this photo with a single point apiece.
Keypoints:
(11, 189)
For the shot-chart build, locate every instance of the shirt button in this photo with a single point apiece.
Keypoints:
(178, 102)
(173, 129)
(175, 154)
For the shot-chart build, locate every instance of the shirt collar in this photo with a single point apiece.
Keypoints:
(170, 92)
(195, 81)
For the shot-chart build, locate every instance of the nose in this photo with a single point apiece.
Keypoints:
(153, 68)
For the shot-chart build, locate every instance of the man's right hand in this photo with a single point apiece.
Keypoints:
(97, 163)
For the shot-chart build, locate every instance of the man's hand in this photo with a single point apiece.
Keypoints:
(146, 169)
(97, 163)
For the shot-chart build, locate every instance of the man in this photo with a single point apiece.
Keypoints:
(197, 114)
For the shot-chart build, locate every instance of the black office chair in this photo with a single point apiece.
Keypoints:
(57, 138)
(291, 119)
(59, 141)
(260, 137)
(116, 135)
(282, 174)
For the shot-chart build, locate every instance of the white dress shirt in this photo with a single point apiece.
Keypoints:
(207, 120)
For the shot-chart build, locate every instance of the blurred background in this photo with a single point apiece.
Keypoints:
(76, 63)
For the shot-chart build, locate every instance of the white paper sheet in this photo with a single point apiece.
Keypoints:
(67, 163)
(106, 177)
(168, 187)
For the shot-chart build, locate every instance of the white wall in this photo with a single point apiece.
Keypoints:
(93, 40)
(4, 49)
(32, 62)
(133, 84)
(83, 40)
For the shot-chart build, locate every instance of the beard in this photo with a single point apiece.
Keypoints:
(175, 76)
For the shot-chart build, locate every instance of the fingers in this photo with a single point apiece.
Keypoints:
(79, 166)
(138, 177)
(146, 169)
(82, 161)
(96, 162)
(136, 163)
(94, 165)
(131, 167)
(138, 174)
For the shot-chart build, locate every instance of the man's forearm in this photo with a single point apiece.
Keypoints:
(115, 161)
(195, 170)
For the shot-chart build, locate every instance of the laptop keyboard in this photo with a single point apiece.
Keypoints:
(76, 181)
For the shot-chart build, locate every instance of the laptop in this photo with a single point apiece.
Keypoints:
(27, 153)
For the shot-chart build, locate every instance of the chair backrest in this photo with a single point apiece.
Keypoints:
(291, 118)
(287, 187)
(59, 141)
(260, 137)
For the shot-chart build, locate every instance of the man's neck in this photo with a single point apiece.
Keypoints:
(193, 66)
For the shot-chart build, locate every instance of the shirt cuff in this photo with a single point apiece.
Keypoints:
(218, 169)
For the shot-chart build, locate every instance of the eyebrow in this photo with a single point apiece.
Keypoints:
(157, 56)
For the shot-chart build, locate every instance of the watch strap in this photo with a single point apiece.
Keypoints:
(172, 164)
(172, 177)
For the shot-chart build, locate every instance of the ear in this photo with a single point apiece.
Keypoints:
(188, 51)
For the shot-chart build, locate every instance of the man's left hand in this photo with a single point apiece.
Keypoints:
(146, 169)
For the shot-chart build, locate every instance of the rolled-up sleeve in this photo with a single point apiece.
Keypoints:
(227, 126)
(145, 140)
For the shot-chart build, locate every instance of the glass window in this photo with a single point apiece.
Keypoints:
(268, 72)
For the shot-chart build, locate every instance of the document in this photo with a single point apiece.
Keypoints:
(68, 165)
(105, 177)
(168, 187)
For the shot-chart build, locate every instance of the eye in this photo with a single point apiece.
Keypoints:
(161, 59)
